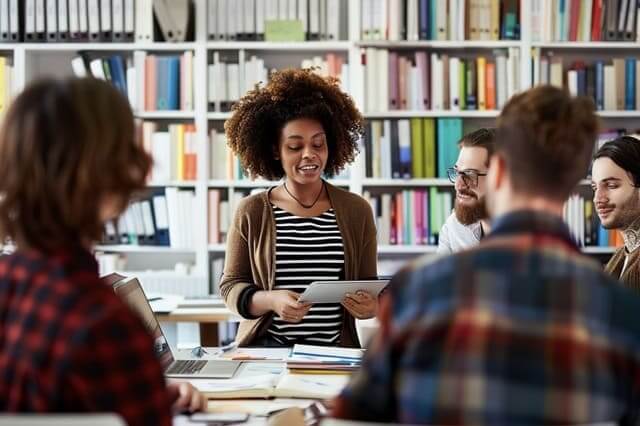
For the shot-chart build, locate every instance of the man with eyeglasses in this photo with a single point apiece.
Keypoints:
(469, 221)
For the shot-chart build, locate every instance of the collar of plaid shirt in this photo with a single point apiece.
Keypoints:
(533, 222)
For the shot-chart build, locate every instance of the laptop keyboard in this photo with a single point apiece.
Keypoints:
(189, 366)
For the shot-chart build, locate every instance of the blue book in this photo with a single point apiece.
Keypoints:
(449, 134)
(599, 85)
(118, 73)
(582, 81)
(423, 19)
(630, 84)
(173, 83)
(603, 236)
(433, 30)
(561, 20)
(161, 84)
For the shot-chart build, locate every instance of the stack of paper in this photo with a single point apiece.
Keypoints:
(323, 359)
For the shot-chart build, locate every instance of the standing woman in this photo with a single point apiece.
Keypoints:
(299, 127)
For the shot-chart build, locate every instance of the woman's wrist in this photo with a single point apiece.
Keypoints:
(261, 303)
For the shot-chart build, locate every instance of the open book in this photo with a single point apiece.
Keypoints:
(307, 386)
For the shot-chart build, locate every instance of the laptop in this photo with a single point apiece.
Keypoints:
(131, 292)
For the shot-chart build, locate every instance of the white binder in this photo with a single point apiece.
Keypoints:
(129, 18)
(144, 21)
(14, 21)
(173, 18)
(74, 22)
(93, 13)
(4, 20)
(51, 19)
(105, 19)
(83, 19)
(117, 20)
(63, 21)
(41, 29)
(212, 19)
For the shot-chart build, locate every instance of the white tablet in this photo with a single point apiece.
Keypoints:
(334, 291)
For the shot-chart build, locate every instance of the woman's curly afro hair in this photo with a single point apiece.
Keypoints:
(254, 129)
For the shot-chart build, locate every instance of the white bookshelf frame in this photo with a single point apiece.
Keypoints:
(352, 47)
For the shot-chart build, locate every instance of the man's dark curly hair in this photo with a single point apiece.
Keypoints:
(253, 131)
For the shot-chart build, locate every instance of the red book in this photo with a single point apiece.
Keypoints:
(596, 21)
(490, 85)
(574, 17)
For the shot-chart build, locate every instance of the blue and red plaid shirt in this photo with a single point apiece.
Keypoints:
(69, 344)
(520, 330)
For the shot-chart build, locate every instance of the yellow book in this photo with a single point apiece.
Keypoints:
(417, 147)
(180, 151)
(3, 87)
(429, 147)
(482, 97)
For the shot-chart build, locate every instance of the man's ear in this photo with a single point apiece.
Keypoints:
(497, 172)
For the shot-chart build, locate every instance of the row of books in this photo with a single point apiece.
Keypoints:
(164, 218)
(613, 84)
(151, 82)
(581, 217)
(440, 20)
(584, 20)
(174, 151)
(396, 80)
(410, 217)
(269, 19)
(77, 21)
(229, 79)
(411, 148)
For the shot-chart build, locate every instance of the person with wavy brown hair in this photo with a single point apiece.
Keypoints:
(300, 127)
(69, 162)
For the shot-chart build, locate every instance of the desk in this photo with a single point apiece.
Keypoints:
(207, 317)
(257, 408)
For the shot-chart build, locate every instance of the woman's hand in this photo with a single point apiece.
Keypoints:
(361, 305)
(285, 304)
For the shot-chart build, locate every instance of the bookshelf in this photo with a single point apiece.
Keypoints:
(32, 60)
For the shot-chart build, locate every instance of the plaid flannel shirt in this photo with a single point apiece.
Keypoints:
(69, 344)
(520, 330)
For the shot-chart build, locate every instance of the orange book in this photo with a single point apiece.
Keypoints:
(482, 82)
(190, 153)
(150, 64)
(490, 85)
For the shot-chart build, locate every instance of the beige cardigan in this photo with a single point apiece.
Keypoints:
(250, 255)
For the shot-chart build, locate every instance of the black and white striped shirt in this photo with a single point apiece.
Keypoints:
(308, 249)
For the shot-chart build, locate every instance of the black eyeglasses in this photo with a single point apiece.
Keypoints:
(469, 177)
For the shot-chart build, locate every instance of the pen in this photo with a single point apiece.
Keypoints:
(153, 299)
(227, 348)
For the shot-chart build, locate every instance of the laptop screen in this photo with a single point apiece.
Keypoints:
(131, 292)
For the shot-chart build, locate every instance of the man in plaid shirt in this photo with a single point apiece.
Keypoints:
(523, 329)
(67, 342)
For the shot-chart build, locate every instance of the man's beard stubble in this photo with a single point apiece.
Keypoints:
(468, 214)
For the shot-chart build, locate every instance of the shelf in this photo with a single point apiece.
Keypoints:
(433, 113)
(299, 46)
(435, 44)
(221, 183)
(586, 45)
(619, 114)
(125, 248)
(218, 115)
(399, 249)
(598, 250)
(174, 183)
(160, 46)
(406, 182)
(166, 115)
